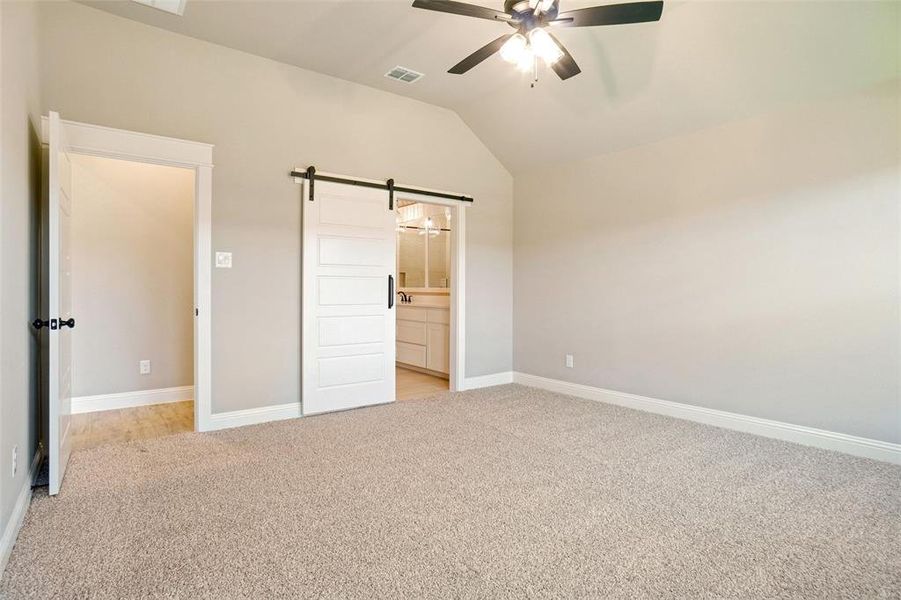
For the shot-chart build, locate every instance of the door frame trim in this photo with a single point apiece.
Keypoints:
(458, 282)
(97, 140)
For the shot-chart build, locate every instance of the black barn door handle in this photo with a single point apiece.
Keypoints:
(390, 291)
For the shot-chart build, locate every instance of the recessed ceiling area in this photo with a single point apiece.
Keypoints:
(701, 65)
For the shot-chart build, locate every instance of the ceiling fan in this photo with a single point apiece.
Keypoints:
(531, 20)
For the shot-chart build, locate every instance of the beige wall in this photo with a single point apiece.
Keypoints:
(132, 275)
(20, 160)
(264, 118)
(752, 268)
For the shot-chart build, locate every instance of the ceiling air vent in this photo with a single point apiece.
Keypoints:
(176, 7)
(403, 74)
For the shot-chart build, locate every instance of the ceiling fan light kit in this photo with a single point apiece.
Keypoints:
(531, 19)
(544, 46)
(514, 48)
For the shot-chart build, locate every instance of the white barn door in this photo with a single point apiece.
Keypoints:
(348, 297)
(59, 302)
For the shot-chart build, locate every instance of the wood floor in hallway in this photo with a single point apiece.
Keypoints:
(90, 430)
(413, 384)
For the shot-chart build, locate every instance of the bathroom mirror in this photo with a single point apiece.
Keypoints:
(423, 246)
(411, 249)
(439, 260)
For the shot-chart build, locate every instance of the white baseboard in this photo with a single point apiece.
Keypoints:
(481, 381)
(87, 404)
(253, 416)
(799, 434)
(11, 531)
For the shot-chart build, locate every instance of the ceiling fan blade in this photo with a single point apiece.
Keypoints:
(566, 66)
(611, 14)
(479, 55)
(462, 8)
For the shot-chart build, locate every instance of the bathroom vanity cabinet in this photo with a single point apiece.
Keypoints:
(423, 338)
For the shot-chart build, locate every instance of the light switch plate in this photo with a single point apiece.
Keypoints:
(223, 260)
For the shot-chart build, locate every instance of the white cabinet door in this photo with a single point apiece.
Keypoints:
(437, 356)
(438, 315)
(411, 354)
(348, 298)
(411, 332)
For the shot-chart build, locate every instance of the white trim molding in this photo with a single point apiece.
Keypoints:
(474, 383)
(254, 416)
(799, 434)
(17, 517)
(88, 404)
(96, 140)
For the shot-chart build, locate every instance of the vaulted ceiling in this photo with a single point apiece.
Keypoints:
(703, 64)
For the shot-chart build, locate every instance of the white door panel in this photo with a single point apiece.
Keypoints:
(59, 304)
(352, 290)
(350, 350)
(348, 314)
(343, 331)
(346, 208)
(347, 370)
(351, 251)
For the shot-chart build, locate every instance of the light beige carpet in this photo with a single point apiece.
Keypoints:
(503, 492)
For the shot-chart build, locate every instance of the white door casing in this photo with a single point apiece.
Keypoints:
(348, 310)
(97, 140)
(59, 342)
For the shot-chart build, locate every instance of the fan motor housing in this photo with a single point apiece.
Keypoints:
(525, 14)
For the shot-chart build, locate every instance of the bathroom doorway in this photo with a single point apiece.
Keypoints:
(428, 276)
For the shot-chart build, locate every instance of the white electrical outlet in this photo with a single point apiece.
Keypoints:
(569, 361)
(223, 260)
(15, 460)
(144, 367)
